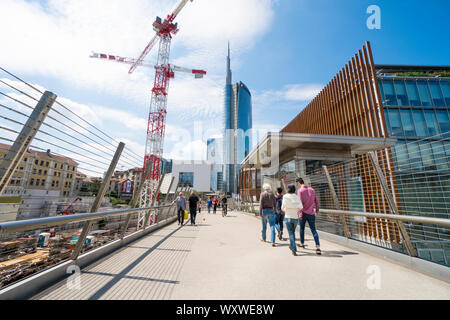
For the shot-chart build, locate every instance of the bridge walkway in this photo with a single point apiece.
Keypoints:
(222, 258)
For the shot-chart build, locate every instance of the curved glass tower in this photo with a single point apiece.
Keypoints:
(237, 129)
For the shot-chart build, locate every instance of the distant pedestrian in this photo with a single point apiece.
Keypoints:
(267, 207)
(181, 207)
(193, 206)
(291, 204)
(209, 203)
(279, 213)
(215, 203)
(199, 205)
(309, 212)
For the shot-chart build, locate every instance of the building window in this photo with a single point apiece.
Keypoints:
(408, 126)
(424, 93)
(394, 120)
(55, 165)
(432, 124)
(443, 120)
(436, 94)
(61, 166)
(31, 182)
(42, 162)
(36, 162)
(45, 172)
(43, 182)
(38, 181)
(40, 172)
(53, 183)
(186, 178)
(413, 93)
(400, 89)
(389, 93)
(47, 164)
(419, 121)
(25, 160)
(445, 85)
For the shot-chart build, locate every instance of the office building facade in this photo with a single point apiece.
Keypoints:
(215, 158)
(238, 124)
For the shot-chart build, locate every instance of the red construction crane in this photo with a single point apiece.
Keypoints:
(67, 211)
(164, 29)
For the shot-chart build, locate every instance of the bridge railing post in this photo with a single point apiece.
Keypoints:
(172, 179)
(390, 199)
(12, 159)
(336, 201)
(98, 201)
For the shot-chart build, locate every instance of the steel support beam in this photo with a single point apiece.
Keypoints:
(390, 199)
(12, 159)
(98, 200)
(147, 216)
(336, 201)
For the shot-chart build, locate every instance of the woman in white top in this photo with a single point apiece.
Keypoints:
(291, 206)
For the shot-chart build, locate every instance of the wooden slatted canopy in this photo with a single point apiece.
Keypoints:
(350, 105)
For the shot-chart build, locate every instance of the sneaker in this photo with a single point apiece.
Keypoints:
(294, 253)
(262, 240)
(273, 244)
(280, 236)
(301, 246)
(318, 251)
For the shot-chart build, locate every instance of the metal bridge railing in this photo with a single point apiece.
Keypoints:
(26, 248)
(429, 236)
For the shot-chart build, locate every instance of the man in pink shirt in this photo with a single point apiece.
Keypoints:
(308, 213)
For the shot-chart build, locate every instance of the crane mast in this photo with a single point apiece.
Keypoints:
(154, 144)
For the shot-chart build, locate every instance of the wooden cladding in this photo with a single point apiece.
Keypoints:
(349, 105)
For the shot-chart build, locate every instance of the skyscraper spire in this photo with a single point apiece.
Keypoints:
(229, 74)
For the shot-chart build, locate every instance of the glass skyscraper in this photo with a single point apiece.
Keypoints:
(237, 129)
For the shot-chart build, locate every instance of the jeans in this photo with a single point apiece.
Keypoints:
(193, 212)
(268, 216)
(180, 216)
(209, 209)
(291, 224)
(311, 218)
(279, 222)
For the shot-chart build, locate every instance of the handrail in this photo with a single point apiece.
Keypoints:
(407, 218)
(31, 224)
(417, 219)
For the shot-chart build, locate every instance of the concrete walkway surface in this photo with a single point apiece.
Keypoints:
(222, 258)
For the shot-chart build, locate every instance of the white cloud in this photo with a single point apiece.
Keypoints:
(54, 41)
(302, 92)
(194, 150)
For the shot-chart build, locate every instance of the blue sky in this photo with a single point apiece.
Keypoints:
(284, 50)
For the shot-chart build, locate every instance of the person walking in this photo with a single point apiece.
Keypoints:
(193, 206)
(308, 213)
(209, 203)
(291, 204)
(267, 207)
(279, 213)
(181, 207)
(215, 205)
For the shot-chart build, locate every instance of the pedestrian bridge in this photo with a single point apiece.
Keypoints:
(222, 258)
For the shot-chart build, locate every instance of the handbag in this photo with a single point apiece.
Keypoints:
(186, 215)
